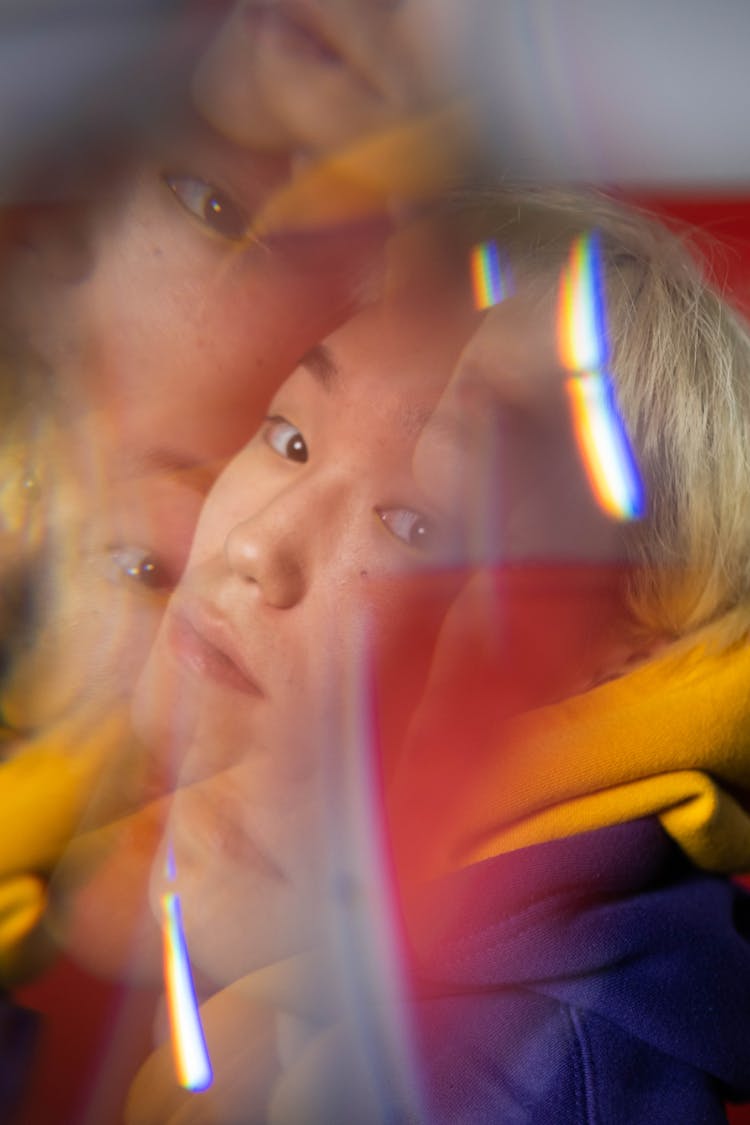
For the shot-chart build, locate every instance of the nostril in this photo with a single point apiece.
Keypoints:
(283, 585)
(267, 559)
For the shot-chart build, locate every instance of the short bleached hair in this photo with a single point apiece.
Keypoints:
(681, 366)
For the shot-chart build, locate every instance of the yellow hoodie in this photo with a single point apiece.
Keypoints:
(670, 739)
(45, 786)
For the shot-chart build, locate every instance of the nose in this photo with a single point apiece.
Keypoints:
(268, 553)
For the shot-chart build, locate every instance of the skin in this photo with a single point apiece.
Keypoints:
(305, 572)
(315, 75)
(507, 397)
(160, 329)
(294, 563)
(549, 618)
(141, 362)
(166, 333)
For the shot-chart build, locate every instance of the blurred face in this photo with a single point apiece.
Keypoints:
(178, 326)
(314, 75)
(544, 618)
(392, 461)
(311, 562)
(557, 561)
(529, 489)
(167, 338)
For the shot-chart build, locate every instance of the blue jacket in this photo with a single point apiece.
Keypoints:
(598, 980)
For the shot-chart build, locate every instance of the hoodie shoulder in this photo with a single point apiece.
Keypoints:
(600, 980)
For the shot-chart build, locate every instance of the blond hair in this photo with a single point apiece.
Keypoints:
(681, 367)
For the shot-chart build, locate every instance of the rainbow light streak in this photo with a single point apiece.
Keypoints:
(583, 349)
(604, 445)
(582, 333)
(490, 279)
(192, 1062)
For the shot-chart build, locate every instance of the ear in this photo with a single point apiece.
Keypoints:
(54, 240)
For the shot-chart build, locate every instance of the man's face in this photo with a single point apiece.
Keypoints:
(312, 562)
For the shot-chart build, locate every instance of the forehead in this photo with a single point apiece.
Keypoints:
(408, 342)
(436, 343)
(515, 350)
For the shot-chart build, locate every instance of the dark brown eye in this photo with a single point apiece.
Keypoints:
(285, 439)
(210, 205)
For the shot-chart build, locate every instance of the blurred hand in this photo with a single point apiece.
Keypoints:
(280, 1056)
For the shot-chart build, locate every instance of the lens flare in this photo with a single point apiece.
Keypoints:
(604, 445)
(583, 349)
(364, 919)
(490, 276)
(192, 1061)
(582, 329)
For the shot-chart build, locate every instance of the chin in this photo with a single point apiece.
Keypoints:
(99, 913)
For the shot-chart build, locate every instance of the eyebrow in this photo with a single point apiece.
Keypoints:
(322, 366)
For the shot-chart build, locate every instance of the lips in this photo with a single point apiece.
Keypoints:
(204, 644)
(299, 27)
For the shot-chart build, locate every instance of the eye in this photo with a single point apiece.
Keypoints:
(285, 439)
(137, 564)
(411, 527)
(209, 205)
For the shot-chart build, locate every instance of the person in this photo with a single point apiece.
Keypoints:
(567, 917)
(373, 101)
(316, 78)
(386, 530)
(677, 356)
(556, 932)
(150, 397)
(235, 235)
(117, 409)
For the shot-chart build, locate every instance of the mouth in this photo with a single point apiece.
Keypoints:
(297, 26)
(204, 646)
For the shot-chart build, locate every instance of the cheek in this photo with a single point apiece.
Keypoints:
(190, 368)
(159, 516)
(239, 492)
(186, 337)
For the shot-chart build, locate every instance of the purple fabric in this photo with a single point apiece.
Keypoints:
(598, 980)
(18, 1035)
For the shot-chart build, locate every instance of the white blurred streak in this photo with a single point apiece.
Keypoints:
(635, 92)
(383, 1068)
